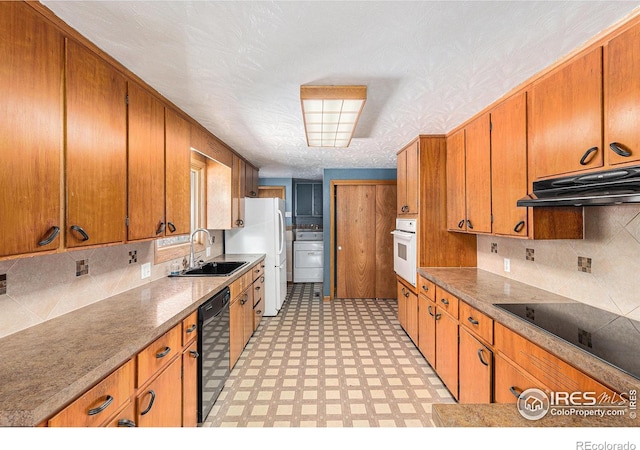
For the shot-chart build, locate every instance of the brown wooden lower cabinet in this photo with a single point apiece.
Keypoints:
(236, 331)
(126, 418)
(447, 350)
(475, 370)
(190, 385)
(427, 329)
(408, 310)
(510, 382)
(159, 404)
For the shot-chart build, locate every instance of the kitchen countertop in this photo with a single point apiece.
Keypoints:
(481, 289)
(45, 367)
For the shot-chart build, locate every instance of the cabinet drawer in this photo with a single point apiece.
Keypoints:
(257, 271)
(190, 328)
(446, 302)
(510, 382)
(426, 288)
(99, 403)
(477, 322)
(158, 354)
(554, 373)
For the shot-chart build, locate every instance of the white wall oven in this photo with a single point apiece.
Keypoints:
(404, 249)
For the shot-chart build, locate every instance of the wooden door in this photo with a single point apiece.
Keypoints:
(447, 350)
(509, 166)
(478, 174)
(565, 120)
(160, 403)
(146, 169)
(427, 329)
(355, 236)
(96, 156)
(456, 203)
(190, 386)
(177, 174)
(31, 131)
(622, 97)
(386, 198)
(476, 370)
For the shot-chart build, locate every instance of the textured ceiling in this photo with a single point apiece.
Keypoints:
(237, 66)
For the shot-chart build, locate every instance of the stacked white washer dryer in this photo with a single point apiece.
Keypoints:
(308, 256)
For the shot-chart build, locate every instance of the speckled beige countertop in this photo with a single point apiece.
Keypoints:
(46, 366)
(481, 289)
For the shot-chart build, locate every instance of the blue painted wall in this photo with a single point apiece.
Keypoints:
(343, 174)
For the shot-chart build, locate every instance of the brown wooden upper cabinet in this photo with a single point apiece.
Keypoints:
(31, 55)
(251, 181)
(565, 119)
(145, 165)
(238, 180)
(622, 98)
(408, 176)
(96, 157)
(509, 166)
(469, 177)
(177, 174)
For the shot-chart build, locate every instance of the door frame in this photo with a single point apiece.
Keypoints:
(332, 223)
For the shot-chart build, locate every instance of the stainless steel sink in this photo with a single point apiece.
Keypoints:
(214, 269)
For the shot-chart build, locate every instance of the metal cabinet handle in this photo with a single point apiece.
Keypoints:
(514, 391)
(262, 280)
(192, 328)
(472, 320)
(259, 312)
(585, 158)
(85, 236)
(519, 226)
(99, 409)
(438, 315)
(257, 288)
(194, 353)
(445, 301)
(163, 353)
(171, 226)
(617, 148)
(404, 208)
(126, 423)
(49, 239)
(481, 359)
(469, 225)
(153, 399)
(425, 288)
(160, 229)
(461, 224)
(429, 310)
(252, 193)
(240, 222)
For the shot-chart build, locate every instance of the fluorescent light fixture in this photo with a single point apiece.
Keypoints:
(331, 113)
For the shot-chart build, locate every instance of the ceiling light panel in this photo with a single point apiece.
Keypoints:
(331, 113)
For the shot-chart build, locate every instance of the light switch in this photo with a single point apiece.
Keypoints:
(145, 270)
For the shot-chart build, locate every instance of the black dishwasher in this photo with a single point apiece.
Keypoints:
(213, 347)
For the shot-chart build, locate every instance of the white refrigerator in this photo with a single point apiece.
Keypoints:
(264, 232)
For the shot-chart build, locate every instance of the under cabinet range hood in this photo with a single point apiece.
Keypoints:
(607, 187)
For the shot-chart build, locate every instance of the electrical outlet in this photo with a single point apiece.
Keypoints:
(507, 265)
(208, 252)
(145, 270)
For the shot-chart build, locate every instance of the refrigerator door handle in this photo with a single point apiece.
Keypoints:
(282, 238)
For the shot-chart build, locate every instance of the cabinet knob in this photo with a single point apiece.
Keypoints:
(425, 287)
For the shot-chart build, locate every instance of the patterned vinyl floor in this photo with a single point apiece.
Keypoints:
(341, 363)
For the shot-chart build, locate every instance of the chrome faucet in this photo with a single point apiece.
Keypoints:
(192, 256)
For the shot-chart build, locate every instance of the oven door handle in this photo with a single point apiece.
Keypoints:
(403, 235)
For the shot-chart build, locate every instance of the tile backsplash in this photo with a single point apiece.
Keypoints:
(601, 270)
(39, 288)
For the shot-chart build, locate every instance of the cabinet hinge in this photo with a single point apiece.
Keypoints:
(126, 221)
(491, 218)
(490, 126)
(126, 99)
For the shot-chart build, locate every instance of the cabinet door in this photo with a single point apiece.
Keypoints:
(31, 55)
(236, 331)
(402, 305)
(456, 202)
(565, 120)
(251, 175)
(177, 174)
(247, 315)
(190, 385)
(510, 382)
(478, 175)
(304, 199)
(317, 200)
(238, 177)
(476, 370)
(427, 329)
(509, 166)
(160, 403)
(622, 98)
(145, 165)
(412, 178)
(402, 182)
(412, 316)
(96, 157)
(447, 351)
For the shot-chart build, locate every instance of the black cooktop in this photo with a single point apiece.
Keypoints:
(613, 338)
